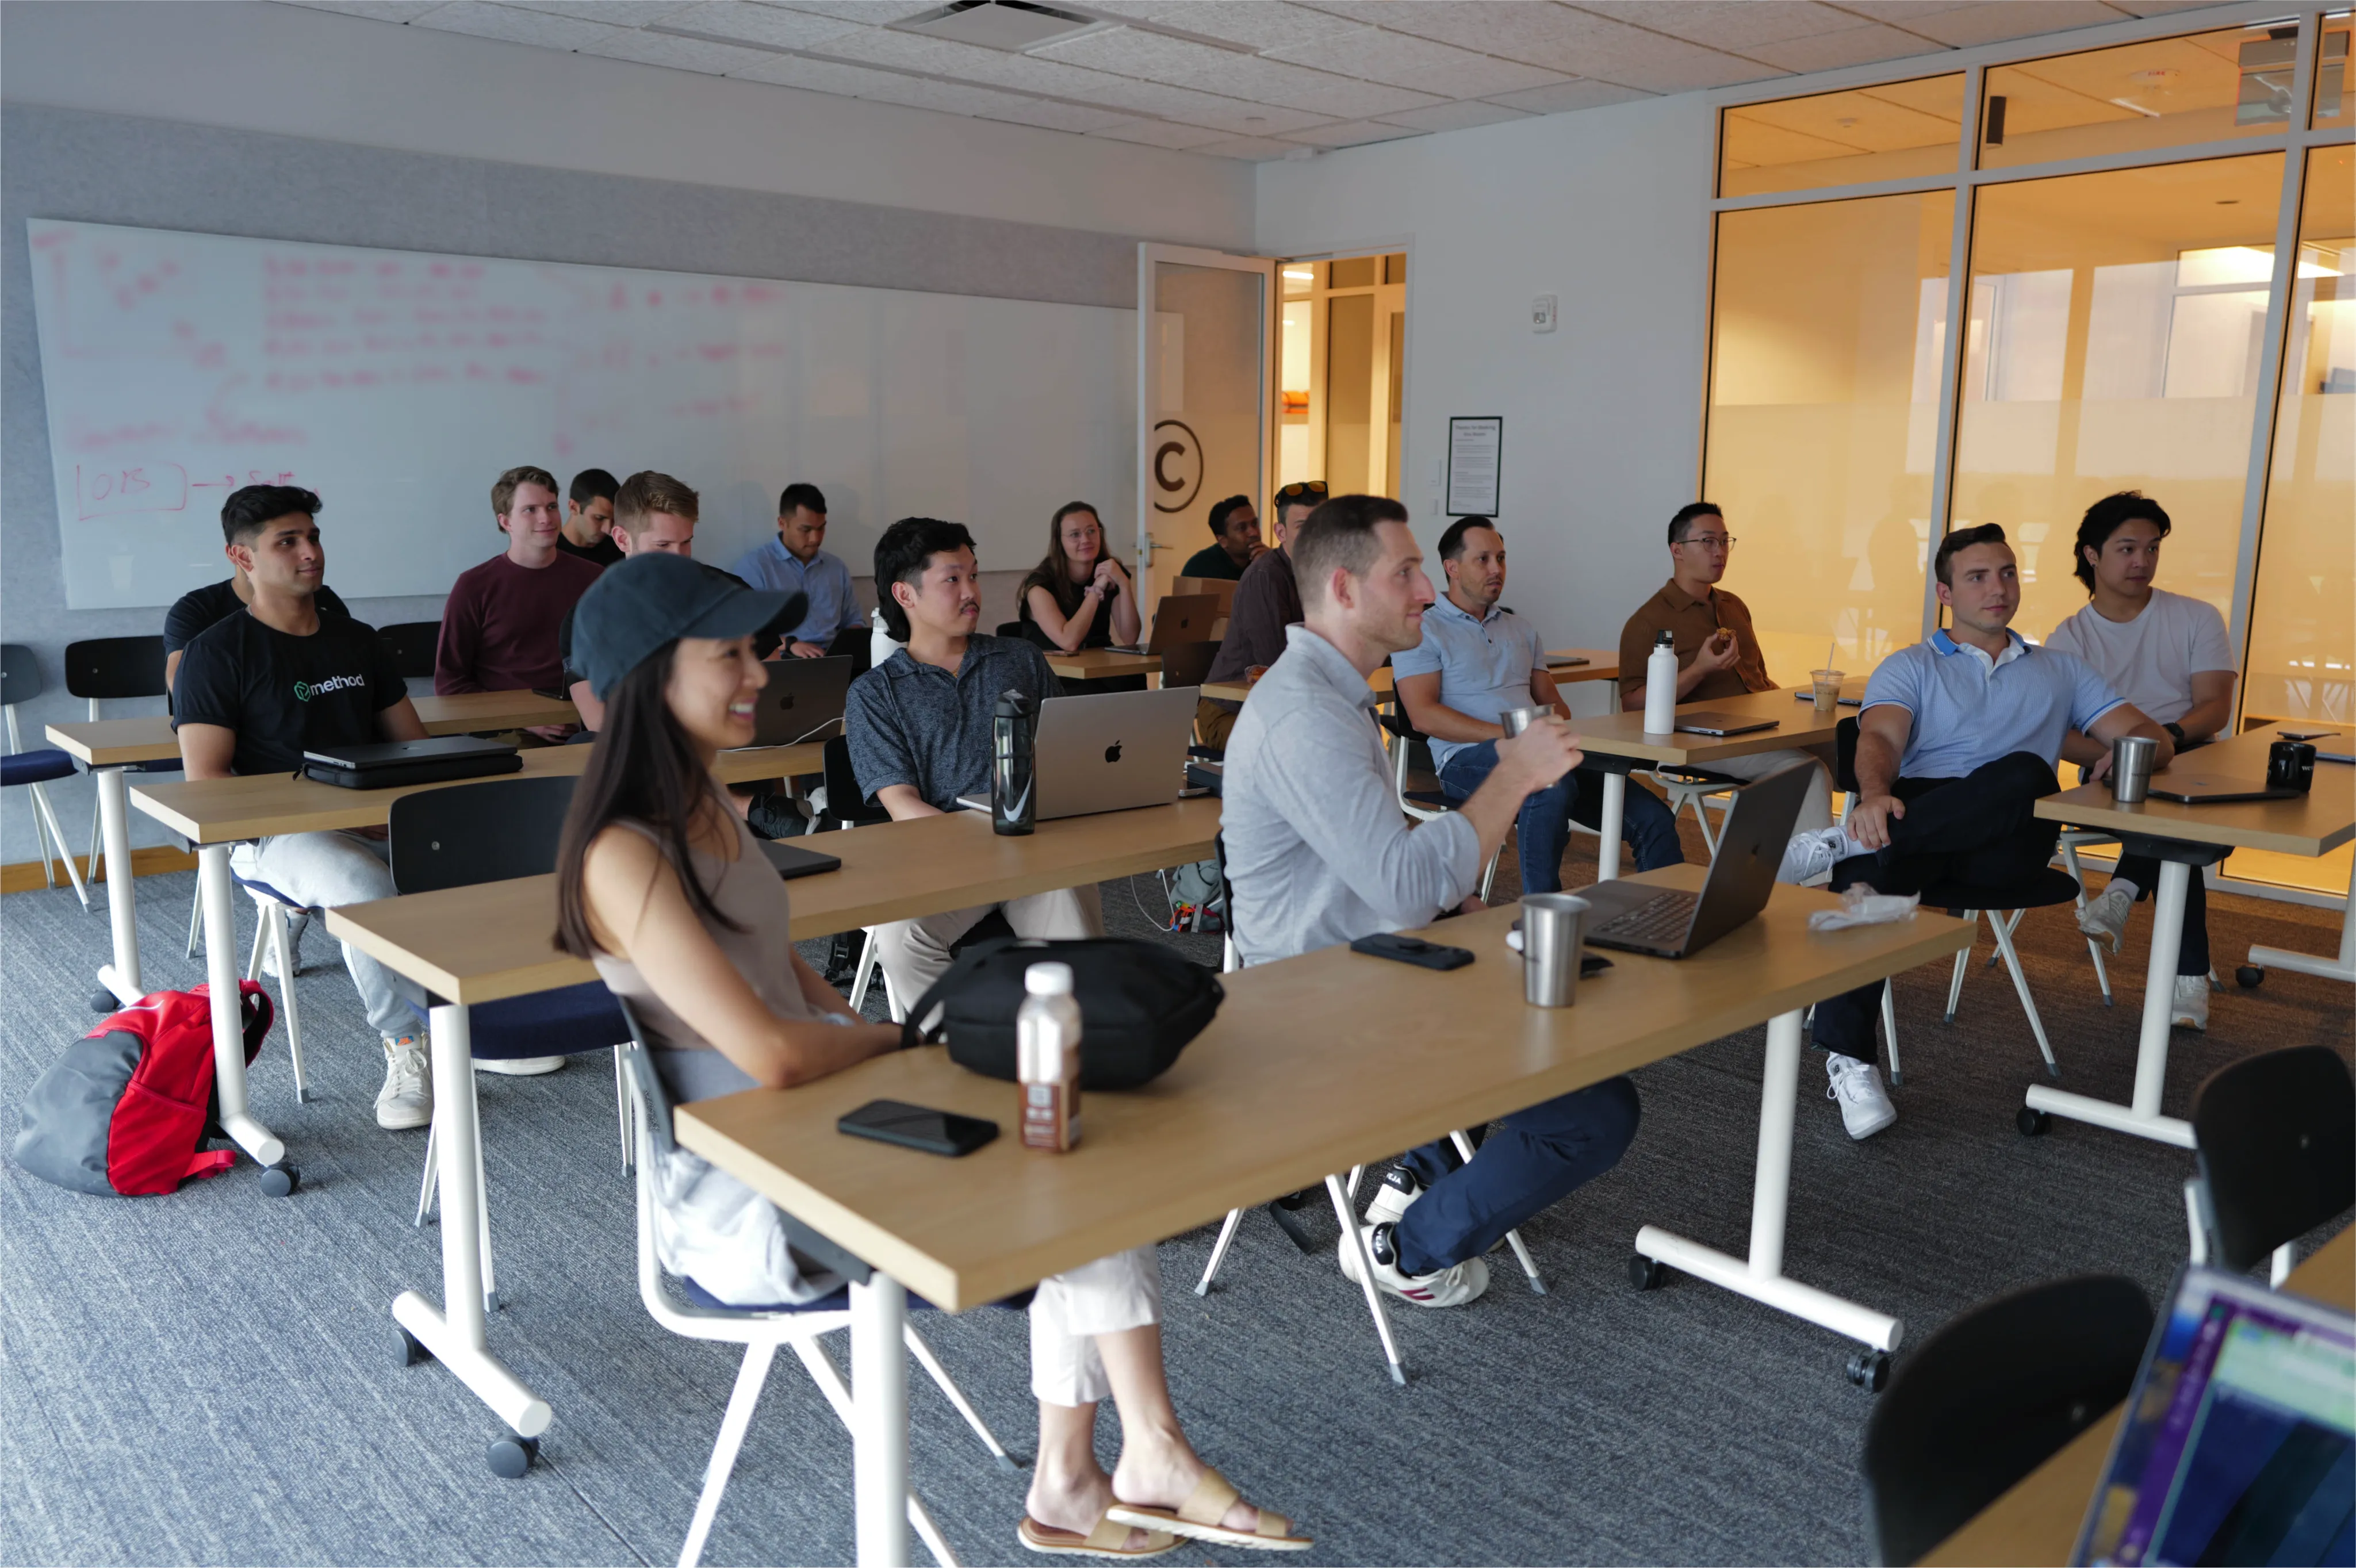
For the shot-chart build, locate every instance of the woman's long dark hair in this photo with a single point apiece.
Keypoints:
(643, 766)
(1054, 571)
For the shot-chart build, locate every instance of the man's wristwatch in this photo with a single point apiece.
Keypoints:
(2175, 731)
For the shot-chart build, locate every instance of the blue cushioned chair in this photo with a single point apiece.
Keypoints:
(20, 681)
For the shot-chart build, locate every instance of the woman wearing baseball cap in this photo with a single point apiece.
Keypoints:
(666, 890)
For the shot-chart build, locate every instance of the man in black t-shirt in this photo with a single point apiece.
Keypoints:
(201, 609)
(278, 678)
(588, 527)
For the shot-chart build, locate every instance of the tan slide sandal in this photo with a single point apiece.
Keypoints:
(1200, 1514)
(1109, 1539)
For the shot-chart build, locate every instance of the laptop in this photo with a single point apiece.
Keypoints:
(2330, 745)
(803, 700)
(386, 764)
(792, 860)
(1112, 752)
(1180, 618)
(2239, 1438)
(1669, 923)
(2213, 789)
(1707, 722)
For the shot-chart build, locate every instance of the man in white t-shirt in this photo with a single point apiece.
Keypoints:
(2168, 654)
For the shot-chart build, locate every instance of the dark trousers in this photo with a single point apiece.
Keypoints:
(2192, 955)
(1981, 830)
(1544, 824)
(1536, 1159)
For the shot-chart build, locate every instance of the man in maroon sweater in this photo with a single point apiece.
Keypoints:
(498, 626)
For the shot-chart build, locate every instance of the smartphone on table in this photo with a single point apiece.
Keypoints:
(917, 1127)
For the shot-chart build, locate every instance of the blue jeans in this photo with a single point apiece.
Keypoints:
(1548, 813)
(1537, 1157)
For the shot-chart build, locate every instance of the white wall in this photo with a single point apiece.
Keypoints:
(1607, 208)
(259, 67)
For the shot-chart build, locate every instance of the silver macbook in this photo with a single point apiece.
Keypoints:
(803, 700)
(1109, 753)
(1180, 618)
(1668, 924)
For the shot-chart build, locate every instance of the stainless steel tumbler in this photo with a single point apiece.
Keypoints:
(1553, 926)
(2131, 760)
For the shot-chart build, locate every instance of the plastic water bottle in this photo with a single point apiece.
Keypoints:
(1047, 1058)
(1013, 737)
(1660, 687)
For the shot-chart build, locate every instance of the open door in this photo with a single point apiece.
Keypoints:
(1206, 364)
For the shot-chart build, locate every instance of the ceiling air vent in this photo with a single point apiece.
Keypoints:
(998, 23)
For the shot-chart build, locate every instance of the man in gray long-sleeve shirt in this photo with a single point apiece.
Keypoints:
(1319, 854)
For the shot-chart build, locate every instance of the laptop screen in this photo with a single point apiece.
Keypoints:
(2239, 1442)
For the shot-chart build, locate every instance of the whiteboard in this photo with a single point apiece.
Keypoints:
(399, 384)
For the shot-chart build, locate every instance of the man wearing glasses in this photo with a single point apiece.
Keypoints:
(1267, 600)
(1718, 655)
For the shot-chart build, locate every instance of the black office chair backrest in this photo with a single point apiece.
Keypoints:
(20, 674)
(107, 667)
(1991, 1396)
(486, 832)
(2275, 1138)
(1844, 756)
(1187, 664)
(412, 645)
(844, 803)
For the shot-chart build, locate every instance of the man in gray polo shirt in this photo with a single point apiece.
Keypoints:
(918, 727)
(1319, 854)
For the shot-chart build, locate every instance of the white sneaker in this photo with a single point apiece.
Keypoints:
(1865, 1104)
(519, 1066)
(2191, 1007)
(1446, 1287)
(1813, 855)
(2106, 915)
(407, 1098)
(1394, 1198)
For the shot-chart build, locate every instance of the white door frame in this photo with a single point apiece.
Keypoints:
(1149, 255)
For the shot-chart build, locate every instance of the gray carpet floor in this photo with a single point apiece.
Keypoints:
(211, 1377)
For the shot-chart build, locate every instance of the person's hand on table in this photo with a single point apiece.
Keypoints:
(802, 650)
(1869, 819)
(2097, 771)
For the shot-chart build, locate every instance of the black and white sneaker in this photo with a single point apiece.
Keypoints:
(1451, 1286)
(1393, 1197)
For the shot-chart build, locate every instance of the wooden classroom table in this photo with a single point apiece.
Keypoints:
(108, 746)
(1102, 664)
(2036, 1524)
(2185, 838)
(1602, 664)
(1315, 1064)
(215, 814)
(486, 942)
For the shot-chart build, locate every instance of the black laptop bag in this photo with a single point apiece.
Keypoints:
(1140, 1002)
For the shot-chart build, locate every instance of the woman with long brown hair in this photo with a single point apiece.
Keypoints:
(1079, 596)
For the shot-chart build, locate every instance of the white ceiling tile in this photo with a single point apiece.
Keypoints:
(812, 75)
(1353, 133)
(967, 62)
(730, 59)
(1989, 21)
(1850, 46)
(1734, 25)
(376, 10)
(1177, 62)
(1613, 51)
(1262, 24)
(1052, 116)
(542, 27)
(756, 23)
(1152, 57)
(1405, 61)
(1558, 38)
(1185, 105)
(1162, 134)
(1455, 116)
(944, 97)
(873, 13)
(1253, 149)
(616, 13)
(1571, 95)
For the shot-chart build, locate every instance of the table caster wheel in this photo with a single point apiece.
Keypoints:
(412, 1348)
(281, 1180)
(1869, 1369)
(1647, 1273)
(2033, 1123)
(511, 1455)
(2249, 976)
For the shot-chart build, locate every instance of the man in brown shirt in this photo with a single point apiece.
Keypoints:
(1718, 653)
(1267, 600)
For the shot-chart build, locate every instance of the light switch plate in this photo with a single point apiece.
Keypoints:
(1542, 314)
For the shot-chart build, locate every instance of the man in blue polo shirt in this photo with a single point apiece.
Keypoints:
(1955, 745)
(792, 562)
(1477, 662)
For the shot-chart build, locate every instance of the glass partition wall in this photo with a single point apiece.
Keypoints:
(2148, 248)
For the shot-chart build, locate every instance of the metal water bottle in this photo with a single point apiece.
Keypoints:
(1661, 687)
(1013, 738)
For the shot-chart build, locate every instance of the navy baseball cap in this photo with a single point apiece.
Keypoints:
(643, 601)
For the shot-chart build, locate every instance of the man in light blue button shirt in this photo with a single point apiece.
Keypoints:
(1955, 745)
(792, 562)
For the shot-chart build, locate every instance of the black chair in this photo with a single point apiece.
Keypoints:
(1410, 755)
(411, 645)
(2045, 887)
(849, 959)
(1991, 1396)
(20, 682)
(103, 670)
(2275, 1136)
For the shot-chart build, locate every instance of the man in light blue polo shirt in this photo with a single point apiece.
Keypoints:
(1477, 662)
(1955, 745)
(792, 562)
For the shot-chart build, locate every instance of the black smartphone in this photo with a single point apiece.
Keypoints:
(917, 1127)
(554, 693)
(1412, 950)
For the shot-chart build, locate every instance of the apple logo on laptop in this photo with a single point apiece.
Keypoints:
(1112, 753)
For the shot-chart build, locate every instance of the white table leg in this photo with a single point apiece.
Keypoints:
(2142, 1119)
(456, 1333)
(879, 1391)
(2341, 968)
(1761, 1275)
(121, 976)
(1615, 807)
(220, 982)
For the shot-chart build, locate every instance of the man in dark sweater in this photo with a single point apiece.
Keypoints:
(499, 624)
(1266, 601)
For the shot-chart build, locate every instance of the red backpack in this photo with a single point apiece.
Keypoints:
(127, 1108)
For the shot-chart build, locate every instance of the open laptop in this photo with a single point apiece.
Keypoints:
(2330, 745)
(2213, 789)
(1180, 618)
(1668, 924)
(1112, 752)
(1707, 722)
(2239, 1439)
(803, 700)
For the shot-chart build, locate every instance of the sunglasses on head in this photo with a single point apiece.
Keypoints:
(1300, 487)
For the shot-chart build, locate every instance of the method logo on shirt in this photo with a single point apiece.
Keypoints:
(305, 690)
